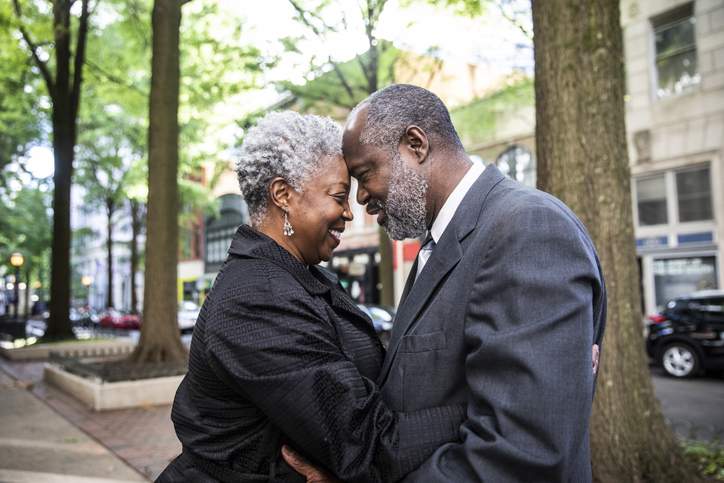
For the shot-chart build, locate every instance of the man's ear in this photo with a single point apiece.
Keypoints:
(415, 141)
(279, 192)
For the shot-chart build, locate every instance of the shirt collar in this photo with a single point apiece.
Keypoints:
(453, 201)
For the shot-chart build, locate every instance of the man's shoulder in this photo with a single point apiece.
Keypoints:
(510, 199)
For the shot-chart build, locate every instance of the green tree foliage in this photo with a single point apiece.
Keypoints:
(23, 104)
(25, 228)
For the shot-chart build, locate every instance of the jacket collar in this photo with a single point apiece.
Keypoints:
(249, 243)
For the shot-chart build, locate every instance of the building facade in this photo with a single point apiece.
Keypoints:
(674, 57)
(675, 128)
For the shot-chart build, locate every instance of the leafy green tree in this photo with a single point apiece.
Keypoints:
(21, 115)
(62, 46)
(160, 339)
(106, 152)
(25, 228)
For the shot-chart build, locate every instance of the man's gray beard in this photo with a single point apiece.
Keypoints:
(405, 206)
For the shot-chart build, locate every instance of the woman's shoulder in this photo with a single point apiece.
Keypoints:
(258, 277)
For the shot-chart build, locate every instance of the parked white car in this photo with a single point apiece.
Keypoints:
(188, 312)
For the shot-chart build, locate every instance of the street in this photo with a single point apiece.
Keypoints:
(693, 407)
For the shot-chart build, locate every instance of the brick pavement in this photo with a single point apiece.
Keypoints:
(142, 437)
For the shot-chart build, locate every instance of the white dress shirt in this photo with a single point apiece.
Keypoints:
(446, 213)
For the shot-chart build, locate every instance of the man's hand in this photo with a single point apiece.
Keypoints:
(595, 352)
(304, 468)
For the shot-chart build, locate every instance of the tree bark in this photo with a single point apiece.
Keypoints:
(160, 335)
(110, 209)
(582, 159)
(135, 231)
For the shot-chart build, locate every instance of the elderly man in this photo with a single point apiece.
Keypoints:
(502, 307)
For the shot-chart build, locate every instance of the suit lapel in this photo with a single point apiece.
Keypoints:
(447, 254)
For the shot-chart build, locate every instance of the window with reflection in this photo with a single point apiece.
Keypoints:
(517, 163)
(651, 200)
(675, 43)
(693, 189)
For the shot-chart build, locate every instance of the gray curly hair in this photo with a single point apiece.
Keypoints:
(285, 144)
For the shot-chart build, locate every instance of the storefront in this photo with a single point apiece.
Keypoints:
(676, 233)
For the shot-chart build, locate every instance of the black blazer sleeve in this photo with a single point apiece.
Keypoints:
(280, 352)
(528, 332)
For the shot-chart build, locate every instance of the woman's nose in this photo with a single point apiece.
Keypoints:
(347, 213)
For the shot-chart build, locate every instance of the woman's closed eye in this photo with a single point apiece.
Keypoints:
(340, 197)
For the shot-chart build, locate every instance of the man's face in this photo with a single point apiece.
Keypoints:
(389, 184)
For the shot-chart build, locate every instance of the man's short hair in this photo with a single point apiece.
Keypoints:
(392, 110)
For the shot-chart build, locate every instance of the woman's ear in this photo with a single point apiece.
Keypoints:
(279, 192)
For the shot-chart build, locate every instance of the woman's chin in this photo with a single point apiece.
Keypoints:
(325, 255)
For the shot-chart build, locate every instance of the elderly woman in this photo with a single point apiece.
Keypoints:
(280, 354)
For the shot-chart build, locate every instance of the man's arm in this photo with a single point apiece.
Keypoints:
(529, 332)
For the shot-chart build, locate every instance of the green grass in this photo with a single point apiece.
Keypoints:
(709, 458)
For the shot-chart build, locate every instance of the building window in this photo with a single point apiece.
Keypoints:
(517, 163)
(674, 277)
(675, 44)
(651, 197)
(220, 230)
(688, 189)
(693, 190)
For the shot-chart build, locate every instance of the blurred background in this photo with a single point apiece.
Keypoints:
(75, 88)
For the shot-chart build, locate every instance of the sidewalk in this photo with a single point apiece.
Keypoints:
(141, 441)
(39, 445)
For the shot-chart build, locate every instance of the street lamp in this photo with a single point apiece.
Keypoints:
(86, 281)
(16, 260)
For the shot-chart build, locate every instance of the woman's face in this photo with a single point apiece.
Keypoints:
(318, 214)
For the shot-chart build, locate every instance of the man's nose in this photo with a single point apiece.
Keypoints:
(363, 196)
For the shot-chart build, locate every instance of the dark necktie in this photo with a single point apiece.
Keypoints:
(425, 252)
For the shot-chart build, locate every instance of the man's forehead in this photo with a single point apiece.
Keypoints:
(357, 118)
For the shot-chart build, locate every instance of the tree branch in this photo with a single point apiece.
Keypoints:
(42, 65)
(100, 71)
(340, 75)
(511, 18)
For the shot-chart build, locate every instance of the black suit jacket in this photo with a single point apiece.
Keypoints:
(281, 354)
(502, 317)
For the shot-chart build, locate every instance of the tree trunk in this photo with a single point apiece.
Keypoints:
(110, 208)
(135, 231)
(160, 336)
(582, 159)
(59, 326)
(385, 270)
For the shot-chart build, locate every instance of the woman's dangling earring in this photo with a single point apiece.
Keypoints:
(288, 230)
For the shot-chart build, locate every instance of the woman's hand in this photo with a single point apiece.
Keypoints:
(304, 468)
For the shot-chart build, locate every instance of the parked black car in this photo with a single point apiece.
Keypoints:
(688, 335)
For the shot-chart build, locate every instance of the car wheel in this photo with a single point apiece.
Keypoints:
(679, 360)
